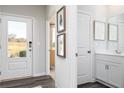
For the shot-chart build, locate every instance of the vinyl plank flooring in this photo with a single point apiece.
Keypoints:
(43, 81)
(92, 85)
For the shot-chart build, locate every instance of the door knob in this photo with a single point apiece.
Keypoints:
(89, 52)
(76, 54)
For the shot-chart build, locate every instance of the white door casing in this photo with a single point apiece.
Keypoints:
(84, 64)
(47, 48)
(0, 47)
(16, 67)
(48, 30)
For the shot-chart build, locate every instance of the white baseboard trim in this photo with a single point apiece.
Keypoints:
(93, 80)
(39, 74)
(57, 85)
(34, 75)
(104, 83)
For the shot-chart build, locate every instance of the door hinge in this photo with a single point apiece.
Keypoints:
(0, 20)
(0, 73)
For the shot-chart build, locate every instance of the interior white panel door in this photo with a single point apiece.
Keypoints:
(83, 46)
(17, 47)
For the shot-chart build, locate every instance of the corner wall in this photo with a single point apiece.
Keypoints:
(66, 68)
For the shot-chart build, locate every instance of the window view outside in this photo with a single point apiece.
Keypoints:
(17, 44)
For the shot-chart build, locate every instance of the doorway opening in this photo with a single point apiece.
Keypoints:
(52, 47)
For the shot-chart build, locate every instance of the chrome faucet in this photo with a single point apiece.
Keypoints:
(118, 51)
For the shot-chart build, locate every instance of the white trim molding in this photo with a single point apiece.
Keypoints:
(39, 74)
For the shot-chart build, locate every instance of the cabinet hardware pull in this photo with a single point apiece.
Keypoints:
(107, 67)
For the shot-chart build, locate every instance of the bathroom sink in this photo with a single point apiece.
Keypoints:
(109, 52)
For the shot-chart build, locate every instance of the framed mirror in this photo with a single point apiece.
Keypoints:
(112, 32)
(99, 31)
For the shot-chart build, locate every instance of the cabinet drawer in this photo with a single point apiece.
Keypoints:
(108, 58)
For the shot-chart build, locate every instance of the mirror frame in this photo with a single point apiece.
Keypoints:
(100, 22)
(109, 24)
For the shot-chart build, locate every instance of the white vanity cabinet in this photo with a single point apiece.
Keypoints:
(101, 72)
(109, 69)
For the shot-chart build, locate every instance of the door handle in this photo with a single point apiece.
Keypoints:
(76, 54)
(89, 52)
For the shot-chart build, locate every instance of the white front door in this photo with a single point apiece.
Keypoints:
(84, 56)
(17, 47)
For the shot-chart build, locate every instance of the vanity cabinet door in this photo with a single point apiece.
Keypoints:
(101, 72)
(115, 75)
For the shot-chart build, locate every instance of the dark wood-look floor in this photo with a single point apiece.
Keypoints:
(92, 85)
(43, 81)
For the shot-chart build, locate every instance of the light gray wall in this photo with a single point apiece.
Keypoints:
(98, 12)
(115, 10)
(39, 25)
(119, 20)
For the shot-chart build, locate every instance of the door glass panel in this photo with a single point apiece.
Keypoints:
(17, 42)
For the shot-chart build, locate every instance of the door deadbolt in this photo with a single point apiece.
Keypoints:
(30, 44)
(89, 52)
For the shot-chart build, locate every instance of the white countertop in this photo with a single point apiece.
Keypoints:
(108, 52)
